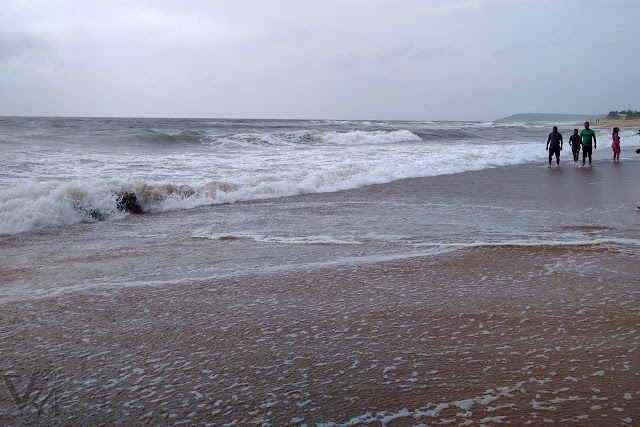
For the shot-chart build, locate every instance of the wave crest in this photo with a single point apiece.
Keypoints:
(161, 137)
(38, 206)
(317, 137)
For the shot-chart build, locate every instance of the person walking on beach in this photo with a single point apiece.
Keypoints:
(574, 140)
(587, 134)
(615, 145)
(554, 145)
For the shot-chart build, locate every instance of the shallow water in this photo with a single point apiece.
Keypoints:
(399, 220)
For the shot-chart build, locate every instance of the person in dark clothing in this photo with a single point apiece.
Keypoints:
(554, 145)
(576, 142)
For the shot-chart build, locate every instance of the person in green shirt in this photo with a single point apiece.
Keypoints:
(587, 134)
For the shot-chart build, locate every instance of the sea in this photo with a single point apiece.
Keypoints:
(63, 171)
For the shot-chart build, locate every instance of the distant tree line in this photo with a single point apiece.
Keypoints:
(631, 114)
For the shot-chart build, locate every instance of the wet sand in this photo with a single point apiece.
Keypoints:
(526, 334)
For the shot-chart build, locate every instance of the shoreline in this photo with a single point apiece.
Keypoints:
(117, 240)
(635, 123)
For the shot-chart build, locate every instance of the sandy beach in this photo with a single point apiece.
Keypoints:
(635, 123)
(478, 334)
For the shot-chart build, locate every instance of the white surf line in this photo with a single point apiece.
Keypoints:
(12, 294)
(40, 293)
(524, 243)
(608, 182)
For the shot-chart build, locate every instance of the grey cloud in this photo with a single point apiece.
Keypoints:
(15, 45)
(408, 59)
(432, 52)
(402, 52)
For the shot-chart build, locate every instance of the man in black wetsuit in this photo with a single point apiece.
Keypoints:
(554, 145)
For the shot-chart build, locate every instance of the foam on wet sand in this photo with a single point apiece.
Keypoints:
(482, 334)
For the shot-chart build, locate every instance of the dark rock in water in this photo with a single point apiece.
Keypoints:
(127, 202)
(98, 216)
(94, 214)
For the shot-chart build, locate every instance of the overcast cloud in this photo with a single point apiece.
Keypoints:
(375, 59)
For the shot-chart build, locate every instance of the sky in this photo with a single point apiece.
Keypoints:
(319, 59)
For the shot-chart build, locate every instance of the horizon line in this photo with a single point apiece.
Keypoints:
(282, 119)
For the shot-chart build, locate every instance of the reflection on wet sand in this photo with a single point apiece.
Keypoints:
(481, 335)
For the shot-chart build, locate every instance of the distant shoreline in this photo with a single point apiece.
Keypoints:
(550, 117)
(619, 123)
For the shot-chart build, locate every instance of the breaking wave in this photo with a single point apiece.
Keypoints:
(38, 206)
(311, 137)
(66, 186)
(168, 138)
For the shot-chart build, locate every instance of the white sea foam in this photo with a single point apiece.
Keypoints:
(628, 136)
(357, 137)
(70, 186)
(300, 240)
(534, 243)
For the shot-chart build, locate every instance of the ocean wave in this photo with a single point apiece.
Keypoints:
(250, 176)
(483, 124)
(522, 125)
(626, 135)
(473, 126)
(162, 137)
(311, 137)
(54, 204)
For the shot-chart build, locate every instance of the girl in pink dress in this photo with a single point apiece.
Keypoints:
(615, 144)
